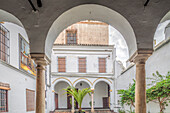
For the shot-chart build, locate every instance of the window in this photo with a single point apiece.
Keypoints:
(3, 100)
(71, 37)
(26, 63)
(30, 100)
(4, 44)
(102, 65)
(61, 64)
(82, 65)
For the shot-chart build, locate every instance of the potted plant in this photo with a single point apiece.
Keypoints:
(78, 95)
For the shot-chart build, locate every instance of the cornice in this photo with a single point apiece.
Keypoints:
(90, 75)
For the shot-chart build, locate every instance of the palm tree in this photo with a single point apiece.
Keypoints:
(78, 95)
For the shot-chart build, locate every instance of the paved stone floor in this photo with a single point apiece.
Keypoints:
(87, 111)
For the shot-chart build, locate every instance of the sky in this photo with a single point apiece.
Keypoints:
(122, 54)
(159, 34)
(115, 38)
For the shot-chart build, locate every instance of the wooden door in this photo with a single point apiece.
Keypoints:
(105, 102)
(69, 102)
(76, 101)
(56, 101)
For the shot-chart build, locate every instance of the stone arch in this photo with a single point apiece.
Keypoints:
(166, 17)
(106, 80)
(8, 17)
(61, 79)
(167, 31)
(91, 12)
(83, 80)
(164, 24)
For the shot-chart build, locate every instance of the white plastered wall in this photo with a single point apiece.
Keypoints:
(10, 73)
(158, 61)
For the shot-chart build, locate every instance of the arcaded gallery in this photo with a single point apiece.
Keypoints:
(84, 56)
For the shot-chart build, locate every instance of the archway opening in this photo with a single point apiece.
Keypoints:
(162, 32)
(85, 13)
(102, 95)
(91, 12)
(86, 101)
(88, 59)
(62, 100)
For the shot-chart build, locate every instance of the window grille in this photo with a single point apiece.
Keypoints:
(61, 64)
(4, 44)
(3, 100)
(82, 65)
(71, 37)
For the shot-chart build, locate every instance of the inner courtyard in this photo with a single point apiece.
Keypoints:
(84, 56)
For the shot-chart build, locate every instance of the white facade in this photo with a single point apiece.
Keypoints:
(92, 78)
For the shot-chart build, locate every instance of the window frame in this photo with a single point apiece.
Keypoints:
(6, 99)
(4, 44)
(105, 64)
(58, 64)
(73, 31)
(34, 70)
(30, 109)
(85, 64)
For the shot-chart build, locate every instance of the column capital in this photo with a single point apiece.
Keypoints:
(140, 56)
(40, 59)
(92, 90)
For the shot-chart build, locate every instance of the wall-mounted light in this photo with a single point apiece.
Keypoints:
(81, 84)
(39, 3)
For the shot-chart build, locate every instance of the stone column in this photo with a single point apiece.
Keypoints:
(72, 110)
(40, 89)
(139, 59)
(41, 61)
(92, 100)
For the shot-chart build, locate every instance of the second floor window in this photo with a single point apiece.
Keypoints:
(82, 65)
(4, 44)
(102, 65)
(61, 64)
(71, 37)
(26, 63)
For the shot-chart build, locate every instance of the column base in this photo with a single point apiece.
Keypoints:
(92, 110)
(72, 111)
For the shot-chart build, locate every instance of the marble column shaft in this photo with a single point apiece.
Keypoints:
(92, 100)
(140, 88)
(40, 89)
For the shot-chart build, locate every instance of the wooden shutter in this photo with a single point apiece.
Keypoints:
(82, 65)
(30, 100)
(61, 64)
(102, 65)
